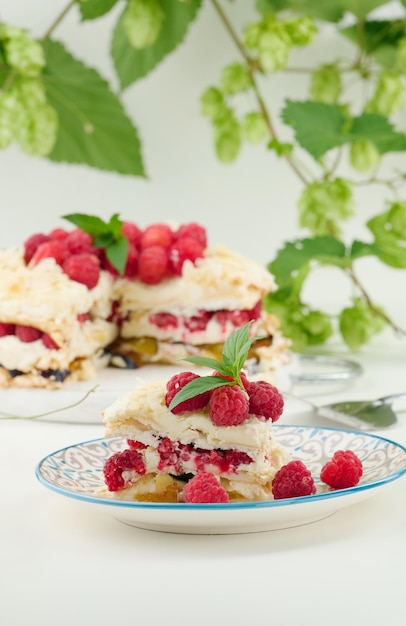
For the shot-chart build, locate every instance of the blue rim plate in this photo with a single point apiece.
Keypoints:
(76, 472)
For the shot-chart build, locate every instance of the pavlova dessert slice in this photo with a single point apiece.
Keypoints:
(196, 429)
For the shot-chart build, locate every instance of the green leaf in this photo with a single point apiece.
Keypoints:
(379, 38)
(92, 9)
(207, 362)
(90, 224)
(361, 8)
(132, 64)
(93, 127)
(360, 249)
(117, 253)
(298, 254)
(391, 245)
(319, 127)
(379, 130)
(196, 387)
(330, 11)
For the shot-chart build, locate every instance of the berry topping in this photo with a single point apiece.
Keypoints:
(157, 235)
(27, 334)
(131, 266)
(163, 320)
(6, 329)
(126, 461)
(83, 268)
(184, 249)
(32, 243)
(50, 249)
(204, 488)
(175, 384)
(265, 400)
(132, 232)
(153, 264)
(293, 480)
(343, 470)
(78, 242)
(58, 233)
(192, 230)
(228, 406)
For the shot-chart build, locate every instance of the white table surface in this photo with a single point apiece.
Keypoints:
(66, 563)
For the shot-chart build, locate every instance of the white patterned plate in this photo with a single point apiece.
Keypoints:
(76, 472)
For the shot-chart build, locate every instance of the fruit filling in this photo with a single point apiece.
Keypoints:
(27, 334)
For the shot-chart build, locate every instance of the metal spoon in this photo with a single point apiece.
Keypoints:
(360, 414)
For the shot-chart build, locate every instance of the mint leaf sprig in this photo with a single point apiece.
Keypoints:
(106, 235)
(234, 354)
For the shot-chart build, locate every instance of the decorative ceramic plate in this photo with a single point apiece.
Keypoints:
(76, 472)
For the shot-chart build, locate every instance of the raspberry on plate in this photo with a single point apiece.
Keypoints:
(79, 242)
(184, 249)
(126, 461)
(265, 400)
(194, 230)
(153, 264)
(175, 384)
(55, 249)
(342, 471)
(132, 232)
(84, 268)
(157, 235)
(204, 488)
(293, 480)
(228, 406)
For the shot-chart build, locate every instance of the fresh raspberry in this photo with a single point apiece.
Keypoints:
(50, 249)
(157, 235)
(131, 266)
(204, 488)
(83, 268)
(136, 445)
(79, 242)
(6, 329)
(32, 243)
(239, 317)
(265, 400)
(196, 231)
(125, 461)
(342, 471)
(184, 249)
(228, 406)
(153, 265)
(132, 232)
(49, 342)
(293, 480)
(27, 334)
(175, 384)
(58, 233)
(163, 320)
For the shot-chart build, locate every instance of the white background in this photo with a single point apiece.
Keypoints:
(249, 205)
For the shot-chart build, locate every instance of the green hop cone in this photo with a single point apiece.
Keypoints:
(323, 204)
(37, 122)
(9, 112)
(251, 35)
(401, 56)
(317, 325)
(142, 22)
(359, 323)
(22, 53)
(227, 145)
(364, 155)
(389, 94)
(326, 85)
(212, 103)
(301, 30)
(273, 50)
(235, 78)
(254, 127)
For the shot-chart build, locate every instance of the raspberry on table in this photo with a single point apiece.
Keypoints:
(153, 265)
(204, 488)
(32, 243)
(184, 249)
(293, 480)
(6, 329)
(50, 249)
(194, 230)
(27, 334)
(343, 470)
(265, 400)
(228, 406)
(157, 235)
(83, 268)
(126, 461)
(175, 384)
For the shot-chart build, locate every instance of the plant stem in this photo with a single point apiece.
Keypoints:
(251, 66)
(58, 19)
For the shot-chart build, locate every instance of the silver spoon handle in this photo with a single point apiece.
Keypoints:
(391, 398)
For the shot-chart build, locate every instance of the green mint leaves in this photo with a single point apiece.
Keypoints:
(106, 235)
(234, 354)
